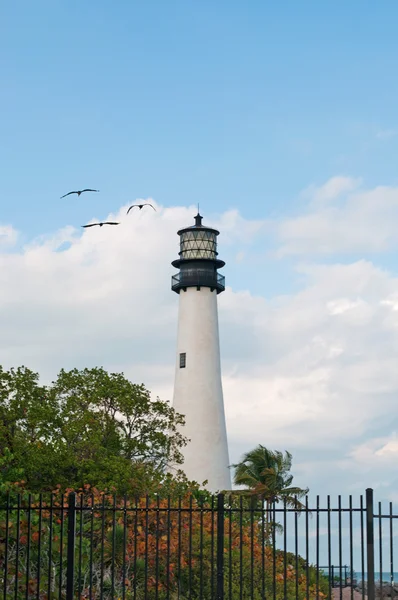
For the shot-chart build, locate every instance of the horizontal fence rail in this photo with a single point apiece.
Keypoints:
(97, 546)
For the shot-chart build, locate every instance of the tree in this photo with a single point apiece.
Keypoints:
(87, 427)
(266, 476)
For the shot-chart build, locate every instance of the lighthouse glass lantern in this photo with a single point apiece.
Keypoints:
(198, 262)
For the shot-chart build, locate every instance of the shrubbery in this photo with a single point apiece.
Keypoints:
(150, 547)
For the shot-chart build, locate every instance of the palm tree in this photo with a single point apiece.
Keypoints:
(266, 476)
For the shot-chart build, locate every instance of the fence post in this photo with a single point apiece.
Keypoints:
(220, 547)
(70, 556)
(370, 544)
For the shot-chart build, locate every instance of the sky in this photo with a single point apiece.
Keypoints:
(281, 120)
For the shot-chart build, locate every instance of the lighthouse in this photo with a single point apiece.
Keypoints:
(198, 391)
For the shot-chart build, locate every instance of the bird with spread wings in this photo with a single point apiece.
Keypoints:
(101, 224)
(140, 206)
(78, 192)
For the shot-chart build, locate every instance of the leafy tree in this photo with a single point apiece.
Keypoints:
(87, 427)
(266, 476)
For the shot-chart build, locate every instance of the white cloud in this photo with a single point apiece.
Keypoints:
(334, 187)
(240, 257)
(321, 369)
(386, 134)
(349, 222)
(312, 371)
(235, 229)
(389, 449)
(8, 235)
(377, 456)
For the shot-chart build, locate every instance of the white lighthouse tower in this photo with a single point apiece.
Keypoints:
(197, 388)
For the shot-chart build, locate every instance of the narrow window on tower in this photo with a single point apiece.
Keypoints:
(183, 360)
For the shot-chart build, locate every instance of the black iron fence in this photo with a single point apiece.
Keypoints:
(332, 572)
(93, 545)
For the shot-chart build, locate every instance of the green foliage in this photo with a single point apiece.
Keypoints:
(87, 427)
(266, 475)
(9, 471)
(147, 550)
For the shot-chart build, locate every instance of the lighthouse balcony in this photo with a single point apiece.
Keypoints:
(197, 278)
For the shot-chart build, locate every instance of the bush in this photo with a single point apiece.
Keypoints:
(153, 548)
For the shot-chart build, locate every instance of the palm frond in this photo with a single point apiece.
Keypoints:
(266, 474)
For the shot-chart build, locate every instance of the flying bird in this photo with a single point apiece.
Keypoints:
(101, 224)
(79, 192)
(140, 207)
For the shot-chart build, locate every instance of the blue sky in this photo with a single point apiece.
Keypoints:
(221, 103)
(281, 120)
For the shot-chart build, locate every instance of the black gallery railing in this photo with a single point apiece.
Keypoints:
(198, 277)
(93, 545)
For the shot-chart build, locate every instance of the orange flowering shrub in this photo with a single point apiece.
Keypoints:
(142, 549)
